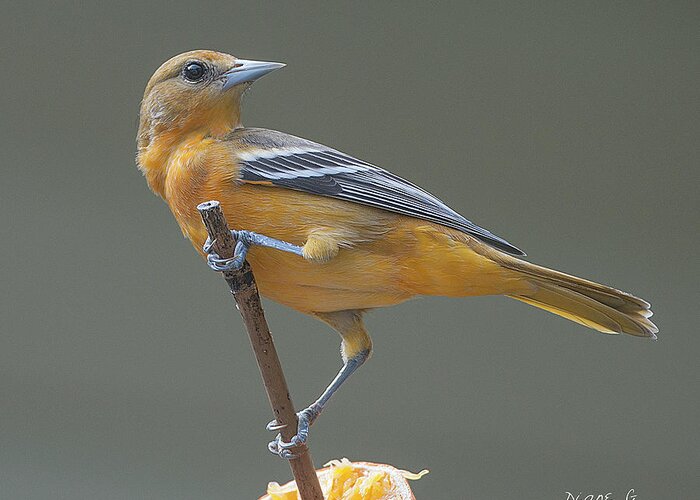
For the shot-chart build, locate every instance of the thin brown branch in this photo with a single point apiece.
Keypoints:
(245, 292)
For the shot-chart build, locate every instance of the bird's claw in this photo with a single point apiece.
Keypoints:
(283, 448)
(218, 264)
(208, 245)
(215, 262)
(274, 426)
(275, 447)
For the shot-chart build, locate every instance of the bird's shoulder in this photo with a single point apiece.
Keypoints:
(261, 139)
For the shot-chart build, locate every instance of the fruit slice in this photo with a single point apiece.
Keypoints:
(345, 480)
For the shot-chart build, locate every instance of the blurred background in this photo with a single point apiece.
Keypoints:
(569, 129)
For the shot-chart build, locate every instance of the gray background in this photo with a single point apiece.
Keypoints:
(571, 130)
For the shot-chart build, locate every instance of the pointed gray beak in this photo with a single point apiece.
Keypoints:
(248, 71)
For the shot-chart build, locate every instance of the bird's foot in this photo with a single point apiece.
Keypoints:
(284, 449)
(215, 262)
(244, 240)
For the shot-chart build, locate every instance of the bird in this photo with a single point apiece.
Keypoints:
(326, 233)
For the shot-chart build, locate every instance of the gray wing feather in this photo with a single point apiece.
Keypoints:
(295, 163)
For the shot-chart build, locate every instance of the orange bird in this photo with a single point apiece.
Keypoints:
(326, 233)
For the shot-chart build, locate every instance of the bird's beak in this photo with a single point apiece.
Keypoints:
(248, 71)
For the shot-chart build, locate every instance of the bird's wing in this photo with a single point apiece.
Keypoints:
(279, 159)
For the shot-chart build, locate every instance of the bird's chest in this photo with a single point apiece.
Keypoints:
(186, 186)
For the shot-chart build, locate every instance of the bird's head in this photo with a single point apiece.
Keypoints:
(198, 91)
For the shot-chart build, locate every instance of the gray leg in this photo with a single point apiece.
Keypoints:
(356, 349)
(308, 415)
(244, 240)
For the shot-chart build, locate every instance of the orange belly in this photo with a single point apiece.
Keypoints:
(415, 258)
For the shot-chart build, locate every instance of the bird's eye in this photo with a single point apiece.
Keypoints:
(193, 71)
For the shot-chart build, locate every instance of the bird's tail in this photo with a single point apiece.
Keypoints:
(591, 304)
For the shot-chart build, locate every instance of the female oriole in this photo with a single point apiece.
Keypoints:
(331, 235)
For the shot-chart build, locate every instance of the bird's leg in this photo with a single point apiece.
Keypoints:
(244, 240)
(308, 415)
(356, 348)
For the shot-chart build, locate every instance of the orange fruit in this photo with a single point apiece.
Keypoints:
(345, 480)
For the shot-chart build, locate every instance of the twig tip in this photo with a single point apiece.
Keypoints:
(207, 205)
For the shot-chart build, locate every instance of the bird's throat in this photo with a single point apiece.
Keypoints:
(156, 152)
